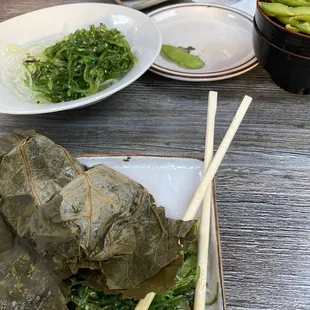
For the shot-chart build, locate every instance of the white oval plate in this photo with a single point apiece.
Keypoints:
(55, 22)
(221, 36)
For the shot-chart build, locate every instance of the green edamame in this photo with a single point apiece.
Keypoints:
(294, 14)
(305, 18)
(293, 3)
(284, 20)
(279, 9)
(300, 25)
(291, 28)
(295, 23)
(182, 58)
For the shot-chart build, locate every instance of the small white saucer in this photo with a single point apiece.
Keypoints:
(221, 36)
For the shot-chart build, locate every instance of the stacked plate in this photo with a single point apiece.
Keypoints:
(219, 35)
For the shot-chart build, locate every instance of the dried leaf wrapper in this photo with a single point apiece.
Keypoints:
(96, 225)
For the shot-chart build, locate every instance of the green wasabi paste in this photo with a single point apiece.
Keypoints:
(182, 58)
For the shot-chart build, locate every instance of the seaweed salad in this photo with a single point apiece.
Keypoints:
(74, 237)
(79, 65)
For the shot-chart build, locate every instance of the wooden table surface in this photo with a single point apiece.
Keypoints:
(263, 184)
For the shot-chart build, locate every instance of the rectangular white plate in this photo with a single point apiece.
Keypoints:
(172, 181)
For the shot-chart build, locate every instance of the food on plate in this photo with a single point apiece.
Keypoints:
(181, 57)
(294, 3)
(26, 280)
(81, 64)
(85, 238)
(179, 296)
(294, 14)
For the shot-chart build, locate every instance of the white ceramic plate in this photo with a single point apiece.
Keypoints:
(172, 181)
(140, 31)
(221, 36)
(248, 6)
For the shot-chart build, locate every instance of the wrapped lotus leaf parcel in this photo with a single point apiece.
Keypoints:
(35, 166)
(26, 281)
(94, 226)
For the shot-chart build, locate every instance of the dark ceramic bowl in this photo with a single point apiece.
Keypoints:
(276, 33)
(289, 71)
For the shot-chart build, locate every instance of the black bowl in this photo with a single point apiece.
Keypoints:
(289, 71)
(276, 33)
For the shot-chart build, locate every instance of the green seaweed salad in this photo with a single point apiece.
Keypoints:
(79, 65)
(179, 297)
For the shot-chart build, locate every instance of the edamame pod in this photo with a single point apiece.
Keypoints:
(293, 3)
(300, 25)
(286, 21)
(279, 9)
(305, 18)
(182, 58)
(291, 28)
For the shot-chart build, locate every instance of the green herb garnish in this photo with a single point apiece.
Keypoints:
(85, 298)
(179, 297)
(80, 65)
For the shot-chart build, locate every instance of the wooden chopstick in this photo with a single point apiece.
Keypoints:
(145, 303)
(204, 224)
(212, 102)
(217, 159)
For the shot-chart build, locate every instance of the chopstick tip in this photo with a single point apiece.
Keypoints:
(212, 92)
(248, 97)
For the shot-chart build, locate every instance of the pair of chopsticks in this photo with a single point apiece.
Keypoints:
(204, 195)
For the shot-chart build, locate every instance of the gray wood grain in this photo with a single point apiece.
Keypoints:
(263, 185)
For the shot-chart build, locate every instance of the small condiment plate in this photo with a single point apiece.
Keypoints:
(220, 35)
